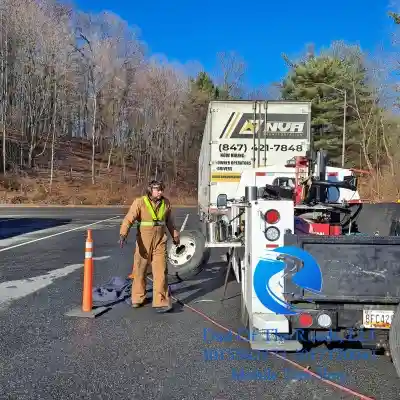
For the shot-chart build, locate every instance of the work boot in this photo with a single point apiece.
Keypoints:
(164, 309)
(138, 305)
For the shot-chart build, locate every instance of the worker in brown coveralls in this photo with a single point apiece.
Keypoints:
(152, 214)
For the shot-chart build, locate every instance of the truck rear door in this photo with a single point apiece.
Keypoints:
(281, 135)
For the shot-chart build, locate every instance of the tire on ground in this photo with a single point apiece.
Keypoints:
(195, 264)
(394, 340)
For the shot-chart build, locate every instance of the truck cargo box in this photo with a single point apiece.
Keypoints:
(229, 145)
(362, 269)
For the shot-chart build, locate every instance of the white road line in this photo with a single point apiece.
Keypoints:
(57, 234)
(14, 290)
(184, 223)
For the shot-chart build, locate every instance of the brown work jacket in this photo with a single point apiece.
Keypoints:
(139, 212)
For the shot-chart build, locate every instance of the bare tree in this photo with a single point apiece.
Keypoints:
(264, 92)
(70, 80)
(100, 51)
(231, 72)
(4, 10)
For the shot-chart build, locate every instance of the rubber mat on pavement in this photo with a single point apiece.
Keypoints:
(115, 290)
(119, 289)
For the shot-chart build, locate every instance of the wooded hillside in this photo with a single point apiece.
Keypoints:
(88, 116)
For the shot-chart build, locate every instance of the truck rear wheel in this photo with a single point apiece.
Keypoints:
(394, 340)
(187, 260)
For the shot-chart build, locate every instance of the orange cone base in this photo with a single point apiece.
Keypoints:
(95, 312)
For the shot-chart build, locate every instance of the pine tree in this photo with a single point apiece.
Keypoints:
(323, 80)
(204, 84)
(203, 90)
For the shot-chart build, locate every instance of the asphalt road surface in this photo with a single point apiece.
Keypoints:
(137, 354)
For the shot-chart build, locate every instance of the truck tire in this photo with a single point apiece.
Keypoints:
(187, 260)
(394, 340)
(394, 228)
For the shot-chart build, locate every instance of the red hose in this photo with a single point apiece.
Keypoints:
(298, 366)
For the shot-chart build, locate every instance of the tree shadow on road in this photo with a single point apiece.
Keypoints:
(11, 227)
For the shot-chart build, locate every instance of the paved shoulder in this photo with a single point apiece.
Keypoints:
(129, 353)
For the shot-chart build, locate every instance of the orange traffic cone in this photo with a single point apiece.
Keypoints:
(87, 310)
(87, 298)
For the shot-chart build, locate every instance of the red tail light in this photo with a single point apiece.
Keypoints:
(272, 216)
(305, 320)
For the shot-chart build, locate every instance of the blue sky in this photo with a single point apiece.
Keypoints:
(260, 31)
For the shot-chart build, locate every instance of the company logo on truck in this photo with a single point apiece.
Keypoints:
(309, 277)
(279, 126)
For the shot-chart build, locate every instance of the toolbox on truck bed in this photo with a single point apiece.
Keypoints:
(355, 269)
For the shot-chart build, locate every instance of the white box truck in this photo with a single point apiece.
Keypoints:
(242, 135)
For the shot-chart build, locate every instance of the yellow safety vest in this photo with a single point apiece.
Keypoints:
(158, 219)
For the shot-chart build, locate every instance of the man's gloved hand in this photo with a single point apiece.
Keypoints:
(122, 240)
(176, 238)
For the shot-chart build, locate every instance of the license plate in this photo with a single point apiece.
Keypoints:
(378, 319)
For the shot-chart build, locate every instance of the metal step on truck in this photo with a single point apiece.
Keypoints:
(288, 223)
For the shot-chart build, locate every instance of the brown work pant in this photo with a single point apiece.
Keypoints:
(149, 250)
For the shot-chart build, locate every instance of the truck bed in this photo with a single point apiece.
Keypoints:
(361, 269)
